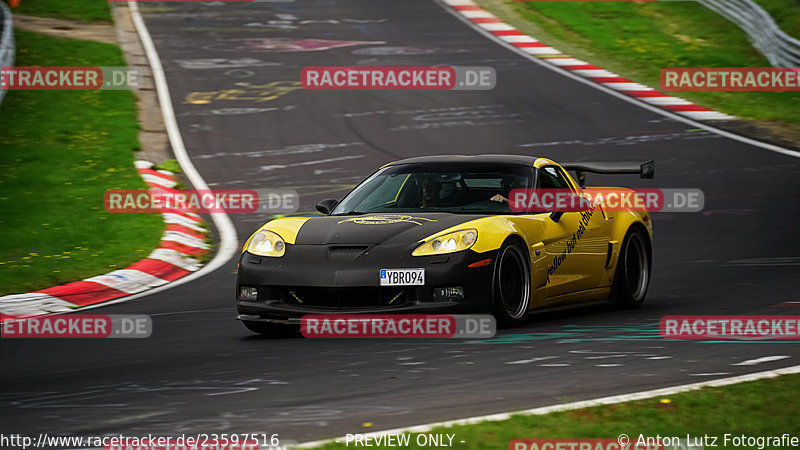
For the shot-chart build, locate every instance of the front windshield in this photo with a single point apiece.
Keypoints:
(456, 188)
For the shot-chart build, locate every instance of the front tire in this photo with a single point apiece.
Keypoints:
(511, 294)
(632, 276)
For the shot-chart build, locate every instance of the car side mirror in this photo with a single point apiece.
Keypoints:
(327, 205)
(577, 203)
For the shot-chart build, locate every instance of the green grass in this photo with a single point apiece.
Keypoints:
(638, 39)
(170, 165)
(61, 150)
(786, 14)
(759, 408)
(83, 10)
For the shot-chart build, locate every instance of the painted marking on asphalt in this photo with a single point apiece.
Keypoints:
(601, 353)
(289, 150)
(309, 163)
(787, 304)
(222, 63)
(625, 140)
(245, 92)
(528, 361)
(235, 111)
(765, 359)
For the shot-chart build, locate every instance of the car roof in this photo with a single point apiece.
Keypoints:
(479, 159)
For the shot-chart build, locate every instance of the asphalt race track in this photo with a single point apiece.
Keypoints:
(248, 125)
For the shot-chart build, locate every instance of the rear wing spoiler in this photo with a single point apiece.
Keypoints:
(644, 169)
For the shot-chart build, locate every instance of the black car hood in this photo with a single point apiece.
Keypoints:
(371, 229)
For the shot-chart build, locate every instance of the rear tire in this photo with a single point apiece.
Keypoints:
(511, 294)
(632, 276)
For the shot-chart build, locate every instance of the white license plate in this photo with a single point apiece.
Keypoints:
(402, 277)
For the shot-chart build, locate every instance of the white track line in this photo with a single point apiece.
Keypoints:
(576, 405)
(753, 362)
(229, 245)
(607, 90)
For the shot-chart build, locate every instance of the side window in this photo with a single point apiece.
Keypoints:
(552, 178)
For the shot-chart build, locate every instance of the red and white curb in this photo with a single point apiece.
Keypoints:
(183, 241)
(507, 33)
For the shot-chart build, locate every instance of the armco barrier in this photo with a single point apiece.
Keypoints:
(7, 47)
(778, 47)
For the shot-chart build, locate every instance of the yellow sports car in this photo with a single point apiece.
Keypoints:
(438, 234)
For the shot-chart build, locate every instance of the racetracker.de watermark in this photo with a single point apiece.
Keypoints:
(84, 326)
(466, 326)
(36, 78)
(610, 199)
(623, 442)
(203, 201)
(730, 79)
(730, 327)
(396, 78)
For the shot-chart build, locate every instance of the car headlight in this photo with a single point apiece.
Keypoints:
(266, 243)
(448, 243)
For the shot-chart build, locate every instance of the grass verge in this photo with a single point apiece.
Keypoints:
(61, 150)
(170, 165)
(638, 39)
(757, 408)
(83, 10)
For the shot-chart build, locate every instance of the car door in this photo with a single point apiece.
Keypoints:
(576, 244)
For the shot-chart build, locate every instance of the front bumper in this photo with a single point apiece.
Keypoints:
(321, 279)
